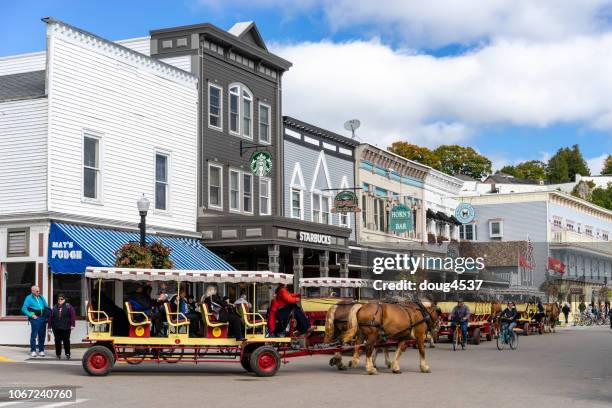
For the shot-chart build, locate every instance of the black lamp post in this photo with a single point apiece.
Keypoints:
(143, 207)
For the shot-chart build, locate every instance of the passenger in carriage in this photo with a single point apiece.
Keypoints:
(242, 299)
(140, 301)
(281, 308)
(540, 313)
(194, 318)
(158, 314)
(224, 312)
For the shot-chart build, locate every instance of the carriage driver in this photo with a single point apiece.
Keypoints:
(461, 315)
(508, 317)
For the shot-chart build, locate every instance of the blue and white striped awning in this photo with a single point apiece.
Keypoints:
(73, 248)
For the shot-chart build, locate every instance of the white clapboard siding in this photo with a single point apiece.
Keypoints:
(136, 105)
(183, 62)
(16, 64)
(141, 44)
(23, 156)
(35, 61)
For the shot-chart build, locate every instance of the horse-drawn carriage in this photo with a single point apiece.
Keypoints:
(527, 323)
(257, 353)
(480, 324)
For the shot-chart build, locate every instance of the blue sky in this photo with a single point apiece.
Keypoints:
(516, 82)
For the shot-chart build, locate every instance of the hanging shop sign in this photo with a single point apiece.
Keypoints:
(464, 213)
(346, 202)
(400, 218)
(315, 238)
(261, 163)
(576, 291)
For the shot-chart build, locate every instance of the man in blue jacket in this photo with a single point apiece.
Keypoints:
(35, 307)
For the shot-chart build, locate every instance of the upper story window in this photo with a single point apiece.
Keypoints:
(557, 222)
(379, 214)
(296, 203)
(343, 220)
(215, 107)
(496, 229)
(215, 186)
(364, 208)
(265, 201)
(604, 235)
(234, 190)
(161, 181)
(264, 123)
(588, 230)
(321, 208)
(91, 167)
(247, 193)
(569, 225)
(240, 111)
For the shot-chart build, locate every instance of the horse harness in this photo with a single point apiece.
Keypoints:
(424, 312)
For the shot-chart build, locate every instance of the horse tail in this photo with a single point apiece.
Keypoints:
(353, 324)
(329, 324)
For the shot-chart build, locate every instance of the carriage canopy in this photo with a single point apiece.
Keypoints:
(335, 283)
(140, 274)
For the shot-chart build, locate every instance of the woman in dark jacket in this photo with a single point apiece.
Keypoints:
(61, 321)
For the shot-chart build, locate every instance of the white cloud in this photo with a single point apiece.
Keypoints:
(431, 100)
(596, 164)
(440, 22)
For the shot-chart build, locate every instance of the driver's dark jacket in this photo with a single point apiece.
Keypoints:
(509, 315)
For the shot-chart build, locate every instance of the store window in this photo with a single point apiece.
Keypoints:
(17, 242)
(70, 286)
(19, 278)
(379, 214)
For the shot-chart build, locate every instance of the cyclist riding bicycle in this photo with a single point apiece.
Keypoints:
(508, 318)
(460, 315)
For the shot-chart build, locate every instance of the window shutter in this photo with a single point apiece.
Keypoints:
(17, 243)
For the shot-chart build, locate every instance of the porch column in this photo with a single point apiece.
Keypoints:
(324, 269)
(298, 267)
(344, 273)
(273, 255)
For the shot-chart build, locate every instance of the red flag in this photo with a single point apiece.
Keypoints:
(524, 263)
(556, 265)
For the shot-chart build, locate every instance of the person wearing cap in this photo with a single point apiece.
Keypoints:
(508, 317)
(461, 315)
(35, 307)
(61, 321)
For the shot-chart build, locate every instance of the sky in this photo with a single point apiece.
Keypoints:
(514, 79)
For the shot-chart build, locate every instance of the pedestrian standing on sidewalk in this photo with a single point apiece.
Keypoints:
(61, 321)
(566, 310)
(35, 307)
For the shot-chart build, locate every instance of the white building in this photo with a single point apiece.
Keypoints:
(86, 128)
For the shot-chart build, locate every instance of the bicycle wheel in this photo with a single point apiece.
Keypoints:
(455, 340)
(513, 341)
(500, 340)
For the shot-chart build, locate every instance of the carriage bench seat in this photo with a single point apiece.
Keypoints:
(177, 321)
(252, 320)
(97, 317)
(138, 328)
(214, 329)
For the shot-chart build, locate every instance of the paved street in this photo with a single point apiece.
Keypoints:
(568, 369)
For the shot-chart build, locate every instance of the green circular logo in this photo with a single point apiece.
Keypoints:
(261, 163)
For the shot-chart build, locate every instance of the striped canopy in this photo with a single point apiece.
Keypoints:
(335, 283)
(137, 274)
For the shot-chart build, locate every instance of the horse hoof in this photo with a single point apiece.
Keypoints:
(342, 367)
(373, 372)
(397, 371)
(425, 370)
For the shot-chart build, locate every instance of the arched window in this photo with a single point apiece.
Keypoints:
(240, 111)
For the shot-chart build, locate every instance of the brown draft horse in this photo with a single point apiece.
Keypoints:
(551, 312)
(397, 321)
(336, 325)
(496, 310)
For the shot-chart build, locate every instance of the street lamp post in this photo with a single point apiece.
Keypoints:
(143, 207)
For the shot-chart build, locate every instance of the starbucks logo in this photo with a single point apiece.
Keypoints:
(261, 163)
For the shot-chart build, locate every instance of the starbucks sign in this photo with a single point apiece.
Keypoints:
(261, 163)
(400, 218)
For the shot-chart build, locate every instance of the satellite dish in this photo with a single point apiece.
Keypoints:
(352, 125)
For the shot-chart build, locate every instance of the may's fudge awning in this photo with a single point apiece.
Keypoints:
(72, 248)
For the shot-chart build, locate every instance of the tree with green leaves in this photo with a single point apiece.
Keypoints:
(558, 168)
(602, 196)
(565, 164)
(413, 152)
(607, 168)
(455, 159)
(528, 170)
